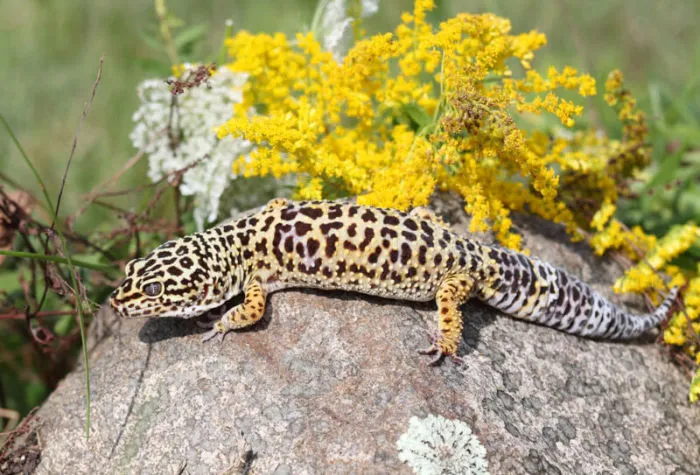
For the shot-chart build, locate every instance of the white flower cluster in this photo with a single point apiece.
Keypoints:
(436, 445)
(333, 25)
(199, 110)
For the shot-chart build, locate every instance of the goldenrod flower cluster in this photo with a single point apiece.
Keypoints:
(451, 107)
(407, 113)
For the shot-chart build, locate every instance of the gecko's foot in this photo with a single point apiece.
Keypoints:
(213, 333)
(434, 349)
(210, 323)
(433, 339)
(218, 331)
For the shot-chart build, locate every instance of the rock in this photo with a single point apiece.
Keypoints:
(329, 382)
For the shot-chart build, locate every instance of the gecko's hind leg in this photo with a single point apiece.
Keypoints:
(451, 294)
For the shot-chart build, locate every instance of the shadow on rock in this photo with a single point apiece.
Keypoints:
(476, 317)
(164, 328)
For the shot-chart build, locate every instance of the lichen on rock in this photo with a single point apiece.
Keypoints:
(435, 445)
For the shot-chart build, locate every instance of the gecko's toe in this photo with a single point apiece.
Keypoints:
(211, 334)
(439, 355)
(433, 339)
(435, 349)
(431, 350)
(435, 361)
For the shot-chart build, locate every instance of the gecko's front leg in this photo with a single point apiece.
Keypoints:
(242, 315)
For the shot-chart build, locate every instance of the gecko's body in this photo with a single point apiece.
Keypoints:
(388, 253)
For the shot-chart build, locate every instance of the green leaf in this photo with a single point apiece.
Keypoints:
(9, 282)
(64, 325)
(667, 169)
(153, 42)
(35, 392)
(94, 259)
(187, 37)
(173, 21)
(679, 105)
(418, 115)
(689, 202)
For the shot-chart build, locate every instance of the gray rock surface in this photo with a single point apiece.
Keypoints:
(328, 383)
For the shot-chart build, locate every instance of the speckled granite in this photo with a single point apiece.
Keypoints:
(328, 382)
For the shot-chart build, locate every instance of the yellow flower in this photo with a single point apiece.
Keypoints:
(603, 215)
(694, 391)
(673, 335)
(674, 243)
(613, 85)
(312, 190)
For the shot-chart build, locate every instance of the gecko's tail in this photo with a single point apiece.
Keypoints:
(630, 325)
(533, 290)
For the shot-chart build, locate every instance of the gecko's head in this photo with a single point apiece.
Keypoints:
(174, 280)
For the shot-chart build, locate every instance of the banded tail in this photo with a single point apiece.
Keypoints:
(533, 290)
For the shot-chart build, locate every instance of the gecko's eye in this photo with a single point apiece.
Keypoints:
(153, 289)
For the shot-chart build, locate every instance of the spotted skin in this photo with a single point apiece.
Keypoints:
(343, 246)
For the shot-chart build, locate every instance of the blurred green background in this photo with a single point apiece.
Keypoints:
(50, 49)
